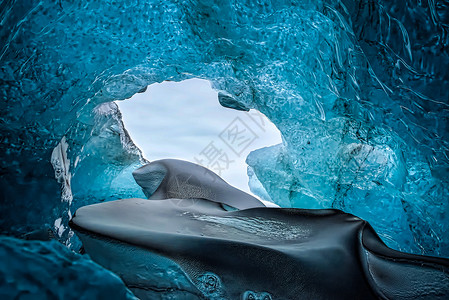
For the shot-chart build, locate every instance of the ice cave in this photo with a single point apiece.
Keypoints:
(358, 183)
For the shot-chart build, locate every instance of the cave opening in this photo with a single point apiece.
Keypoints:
(184, 120)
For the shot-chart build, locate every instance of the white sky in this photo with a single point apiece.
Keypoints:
(184, 120)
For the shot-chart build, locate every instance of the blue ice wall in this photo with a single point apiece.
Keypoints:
(358, 89)
(378, 146)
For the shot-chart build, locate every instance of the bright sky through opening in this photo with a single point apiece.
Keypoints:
(184, 120)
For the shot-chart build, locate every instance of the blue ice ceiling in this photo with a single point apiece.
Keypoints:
(358, 89)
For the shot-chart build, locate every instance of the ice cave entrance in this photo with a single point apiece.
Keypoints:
(184, 120)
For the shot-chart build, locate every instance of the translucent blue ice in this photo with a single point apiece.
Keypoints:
(358, 89)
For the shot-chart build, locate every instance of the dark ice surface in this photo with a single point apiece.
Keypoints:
(173, 178)
(164, 248)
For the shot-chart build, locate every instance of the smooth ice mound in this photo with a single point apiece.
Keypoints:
(358, 89)
(48, 270)
(165, 250)
(173, 178)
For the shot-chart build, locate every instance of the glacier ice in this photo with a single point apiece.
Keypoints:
(358, 89)
(163, 249)
(48, 270)
(179, 179)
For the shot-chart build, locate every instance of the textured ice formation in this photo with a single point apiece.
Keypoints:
(377, 144)
(358, 89)
(48, 270)
(163, 250)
